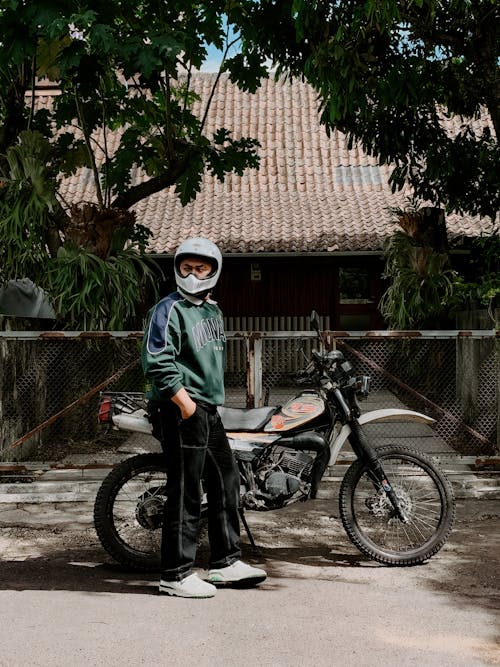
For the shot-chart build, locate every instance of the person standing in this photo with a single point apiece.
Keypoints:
(183, 353)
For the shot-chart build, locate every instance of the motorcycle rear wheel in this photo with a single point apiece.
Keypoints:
(426, 497)
(128, 511)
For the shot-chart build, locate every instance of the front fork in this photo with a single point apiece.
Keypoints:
(364, 451)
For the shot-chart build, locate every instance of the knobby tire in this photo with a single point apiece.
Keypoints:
(371, 522)
(115, 518)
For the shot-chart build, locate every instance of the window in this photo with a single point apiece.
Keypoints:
(354, 284)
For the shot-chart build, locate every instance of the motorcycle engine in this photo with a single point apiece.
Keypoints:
(282, 476)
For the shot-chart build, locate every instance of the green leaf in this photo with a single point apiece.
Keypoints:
(48, 54)
(189, 183)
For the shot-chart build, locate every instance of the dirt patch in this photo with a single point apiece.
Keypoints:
(305, 534)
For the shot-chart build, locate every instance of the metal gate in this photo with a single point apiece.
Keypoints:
(50, 382)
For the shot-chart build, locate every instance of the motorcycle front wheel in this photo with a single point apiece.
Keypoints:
(425, 495)
(128, 511)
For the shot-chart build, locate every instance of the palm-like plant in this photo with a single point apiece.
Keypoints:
(90, 260)
(421, 282)
(27, 202)
(91, 293)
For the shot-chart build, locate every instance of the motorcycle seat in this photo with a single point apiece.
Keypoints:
(246, 419)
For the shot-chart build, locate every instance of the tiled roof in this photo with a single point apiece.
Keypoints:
(310, 194)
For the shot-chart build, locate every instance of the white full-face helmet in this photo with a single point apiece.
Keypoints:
(205, 249)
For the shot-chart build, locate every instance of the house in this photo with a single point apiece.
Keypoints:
(306, 230)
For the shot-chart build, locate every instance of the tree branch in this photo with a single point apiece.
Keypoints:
(86, 137)
(212, 92)
(137, 193)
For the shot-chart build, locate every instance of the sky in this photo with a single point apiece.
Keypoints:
(212, 63)
(214, 56)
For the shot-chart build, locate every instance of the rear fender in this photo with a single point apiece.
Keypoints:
(372, 417)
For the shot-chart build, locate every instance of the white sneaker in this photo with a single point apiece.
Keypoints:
(189, 587)
(238, 574)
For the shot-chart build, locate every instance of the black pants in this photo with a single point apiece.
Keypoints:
(197, 449)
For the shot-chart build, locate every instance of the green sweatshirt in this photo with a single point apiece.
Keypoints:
(184, 346)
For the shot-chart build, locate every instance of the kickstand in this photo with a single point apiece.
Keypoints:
(243, 518)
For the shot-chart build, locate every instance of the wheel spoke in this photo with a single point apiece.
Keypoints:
(374, 525)
(143, 486)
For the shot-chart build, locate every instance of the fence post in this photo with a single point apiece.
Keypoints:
(254, 371)
(470, 355)
(497, 370)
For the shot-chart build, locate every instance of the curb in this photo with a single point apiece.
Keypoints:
(71, 502)
(36, 494)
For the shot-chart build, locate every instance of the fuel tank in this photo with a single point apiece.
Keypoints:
(297, 412)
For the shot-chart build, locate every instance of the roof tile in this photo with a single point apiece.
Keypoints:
(311, 193)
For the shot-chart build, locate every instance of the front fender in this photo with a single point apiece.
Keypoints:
(384, 415)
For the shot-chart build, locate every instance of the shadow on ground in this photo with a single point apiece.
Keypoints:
(301, 541)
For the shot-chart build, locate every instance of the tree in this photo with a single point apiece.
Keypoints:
(388, 73)
(419, 269)
(479, 287)
(121, 66)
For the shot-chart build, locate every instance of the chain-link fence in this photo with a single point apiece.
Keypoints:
(50, 383)
(452, 377)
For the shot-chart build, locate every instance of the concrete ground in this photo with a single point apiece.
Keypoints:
(64, 601)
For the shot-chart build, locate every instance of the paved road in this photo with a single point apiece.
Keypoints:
(63, 601)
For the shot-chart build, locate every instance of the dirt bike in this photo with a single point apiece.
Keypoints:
(396, 506)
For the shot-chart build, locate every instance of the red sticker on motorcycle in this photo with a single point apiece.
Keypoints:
(304, 408)
(277, 421)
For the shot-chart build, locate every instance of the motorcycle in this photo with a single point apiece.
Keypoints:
(396, 505)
